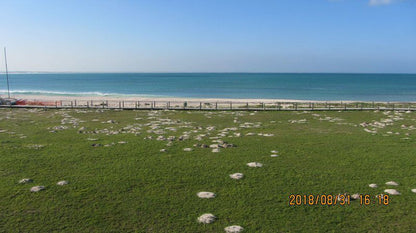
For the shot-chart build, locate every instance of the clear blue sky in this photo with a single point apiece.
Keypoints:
(209, 35)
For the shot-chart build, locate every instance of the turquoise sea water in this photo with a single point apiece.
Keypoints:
(365, 87)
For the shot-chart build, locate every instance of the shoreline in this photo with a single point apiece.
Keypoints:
(177, 99)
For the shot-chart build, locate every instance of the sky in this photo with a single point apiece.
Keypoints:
(352, 36)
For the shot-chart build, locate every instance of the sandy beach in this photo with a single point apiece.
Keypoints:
(159, 99)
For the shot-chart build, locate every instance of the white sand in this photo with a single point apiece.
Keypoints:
(164, 99)
(206, 218)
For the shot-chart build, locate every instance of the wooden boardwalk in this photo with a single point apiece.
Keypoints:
(216, 106)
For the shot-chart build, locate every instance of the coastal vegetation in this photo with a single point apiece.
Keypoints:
(144, 171)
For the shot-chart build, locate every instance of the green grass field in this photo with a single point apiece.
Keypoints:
(133, 187)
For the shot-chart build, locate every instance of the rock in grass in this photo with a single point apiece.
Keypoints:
(373, 185)
(25, 180)
(162, 150)
(392, 191)
(187, 149)
(392, 183)
(237, 176)
(216, 150)
(355, 196)
(254, 164)
(37, 188)
(206, 218)
(414, 190)
(62, 182)
(274, 155)
(233, 229)
(274, 151)
(206, 195)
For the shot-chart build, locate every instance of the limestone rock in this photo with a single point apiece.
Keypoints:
(206, 218)
(206, 195)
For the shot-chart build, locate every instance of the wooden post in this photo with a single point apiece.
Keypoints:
(123, 103)
(247, 105)
(200, 105)
(88, 104)
(313, 105)
(296, 106)
(138, 104)
(61, 103)
(168, 104)
(263, 105)
(279, 106)
(154, 104)
(216, 105)
(75, 103)
(72, 104)
(393, 106)
(231, 105)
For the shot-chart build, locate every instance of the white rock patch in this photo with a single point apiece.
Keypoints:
(392, 191)
(237, 176)
(233, 229)
(187, 149)
(274, 151)
(206, 218)
(205, 195)
(25, 180)
(216, 150)
(254, 164)
(373, 185)
(37, 188)
(274, 155)
(62, 182)
(414, 190)
(355, 196)
(392, 183)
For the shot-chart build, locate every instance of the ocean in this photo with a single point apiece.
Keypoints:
(298, 86)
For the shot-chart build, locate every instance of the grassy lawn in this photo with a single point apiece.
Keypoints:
(133, 187)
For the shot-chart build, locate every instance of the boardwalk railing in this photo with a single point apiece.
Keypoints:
(196, 105)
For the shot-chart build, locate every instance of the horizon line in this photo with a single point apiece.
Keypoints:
(190, 72)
